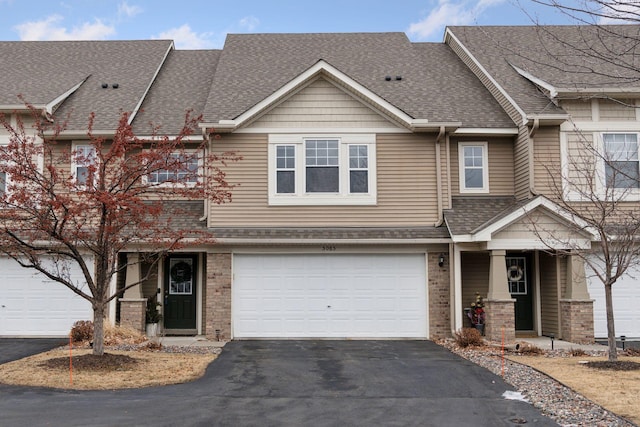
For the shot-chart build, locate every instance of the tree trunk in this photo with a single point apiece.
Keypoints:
(611, 328)
(98, 330)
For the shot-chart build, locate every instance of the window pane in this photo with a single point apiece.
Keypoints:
(358, 182)
(82, 175)
(473, 178)
(3, 182)
(622, 174)
(322, 180)
(286, 182)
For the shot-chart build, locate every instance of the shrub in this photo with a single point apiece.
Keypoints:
(577, 352)
(82, 330)
(466, 337)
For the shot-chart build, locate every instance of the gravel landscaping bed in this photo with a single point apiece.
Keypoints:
(555, 400)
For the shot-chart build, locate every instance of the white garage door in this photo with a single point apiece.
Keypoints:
(626, 303)
(337, 296)
(33, 305)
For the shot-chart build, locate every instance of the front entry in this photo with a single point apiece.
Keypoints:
(520, 284)
(180, 294)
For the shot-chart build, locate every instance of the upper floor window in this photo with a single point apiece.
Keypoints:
(3, 182)
(84, 157)
(621, 162)
(180, 168)
(338, 170)
(474, 170)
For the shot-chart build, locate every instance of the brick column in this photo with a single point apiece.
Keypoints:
(218, 297)
(499, 306)
(576, 308)
(132, 313)
(576, 321)
(499, 314)
(132, 306)
(439, 297)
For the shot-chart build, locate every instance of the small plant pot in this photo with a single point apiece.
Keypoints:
(480, 328)
(152, 330)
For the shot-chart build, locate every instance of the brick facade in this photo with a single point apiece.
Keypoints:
(576, 321)
(132, 313)
(217, 314)
(500, 314)
(439, 297)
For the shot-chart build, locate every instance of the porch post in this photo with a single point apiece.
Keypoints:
(576, 307)
(132, 305)
(499, 307)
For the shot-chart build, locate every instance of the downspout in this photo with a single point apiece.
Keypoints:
(532, 172)
(439, 178)
(205, 214)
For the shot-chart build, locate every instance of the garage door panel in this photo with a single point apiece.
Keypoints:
(336, 296)
(32, 305)
(626, 300)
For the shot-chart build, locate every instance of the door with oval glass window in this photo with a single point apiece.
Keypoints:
(180, 294)
(520, 284)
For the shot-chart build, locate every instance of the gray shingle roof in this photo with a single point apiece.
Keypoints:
(183, 84)
(435, 84)
(470, 213)
(330, 234)
(556, 55)
(42, 71)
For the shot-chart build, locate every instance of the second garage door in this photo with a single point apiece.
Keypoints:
(332, 296)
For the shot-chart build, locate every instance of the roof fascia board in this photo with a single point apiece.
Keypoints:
(153, 79)
(318, 68)
(449, 34)
(630, 92)
(553, 92)
(63, 96)
(293, 241)
(537, 244)
(21, 107)
(486, 131)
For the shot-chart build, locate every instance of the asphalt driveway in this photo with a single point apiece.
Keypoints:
(295, 383)
(17, 348)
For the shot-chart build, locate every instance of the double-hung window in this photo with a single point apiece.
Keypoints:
(180, 168)
(621, 162)
(3, 182)
(473, 166)
(84, 157)
(327, 169)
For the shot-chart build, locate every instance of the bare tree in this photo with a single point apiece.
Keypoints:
(53, 216)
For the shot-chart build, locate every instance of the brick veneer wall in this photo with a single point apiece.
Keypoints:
(499, 314)
(439, 297)
(132, 313)
(218, 297)
(577, 321)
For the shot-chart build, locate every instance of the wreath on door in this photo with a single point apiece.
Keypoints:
(515, 273)
(180, 272)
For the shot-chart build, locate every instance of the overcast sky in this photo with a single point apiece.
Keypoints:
(201, 24)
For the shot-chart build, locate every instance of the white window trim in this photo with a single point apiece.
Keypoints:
(343, 196)
(165, 184)
(485, 167)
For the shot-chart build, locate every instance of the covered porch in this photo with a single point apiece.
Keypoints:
(520, 258)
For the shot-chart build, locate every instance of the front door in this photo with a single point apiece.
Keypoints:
(520, 284)
(180, 294)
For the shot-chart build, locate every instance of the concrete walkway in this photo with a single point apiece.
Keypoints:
(191, 341)
(545, 343)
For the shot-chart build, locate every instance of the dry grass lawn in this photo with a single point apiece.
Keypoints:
(616, 391)
(153, 368)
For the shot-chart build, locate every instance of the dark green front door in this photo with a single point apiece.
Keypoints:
(520, 287)
(180, 292)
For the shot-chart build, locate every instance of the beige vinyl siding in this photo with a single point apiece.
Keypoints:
(581, 163)
(406, 181)
(321, 105)
(537, 225)
(475, 276)
(579, 109)
(546, 163)
(549, 309)
(501, 172)
(622, 110)
(509, 108)
(522, 169)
